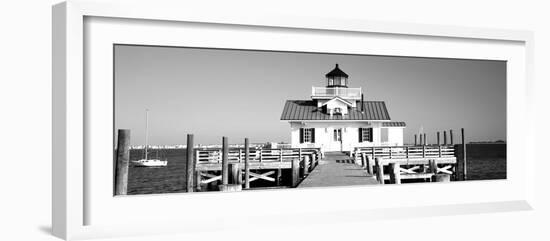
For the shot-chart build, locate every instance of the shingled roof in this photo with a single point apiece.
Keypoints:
(308, 110)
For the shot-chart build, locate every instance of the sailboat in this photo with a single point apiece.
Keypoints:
(146, 162)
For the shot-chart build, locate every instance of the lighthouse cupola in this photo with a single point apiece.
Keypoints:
(337, 78)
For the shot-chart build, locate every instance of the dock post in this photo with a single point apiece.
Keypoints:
(395, 173)
(438, 177)
(370, 163)
(425, 139)
(190, 163)
(445, 138)
(295, 172)
(225, 161)
(438, 141)
(433, 166)
(465, 163)
(451, 136)
(279, 173)
(415, 143)
(379, 170)
(122, 162)
(235, 177)
(246, 164)
(198, 180)
(306, 166)
(421, 139)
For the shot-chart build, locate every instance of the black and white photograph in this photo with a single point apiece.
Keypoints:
(204, 119)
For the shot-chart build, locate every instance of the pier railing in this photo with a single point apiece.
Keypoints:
(429, 162)
(406, 152)
(211, 156)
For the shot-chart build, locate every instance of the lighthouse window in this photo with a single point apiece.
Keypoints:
(307, 135)
(337, 81)
(330, 81)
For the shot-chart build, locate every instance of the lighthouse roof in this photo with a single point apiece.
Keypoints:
(336, 72)
(308, 110)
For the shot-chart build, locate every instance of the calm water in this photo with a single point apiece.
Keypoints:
(485, 161)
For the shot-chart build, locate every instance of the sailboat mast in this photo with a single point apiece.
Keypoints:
(146, 131)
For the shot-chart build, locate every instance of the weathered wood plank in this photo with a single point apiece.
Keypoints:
(246, 164)
(122, 162)
(225, 161)
(190, 163)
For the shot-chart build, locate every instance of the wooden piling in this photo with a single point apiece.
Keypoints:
(190, 163)
(234, 173)
(445, 138)
(198, 180)
(438, 141)
(246, 164)
(278, 175)
(370, 164)
(421, 143)
(306, 166)
(415, 143)
(295, 172)
(225, 161)
(433, 166)
(451, 137)
(395, 173)
(425, 140)
(465, 162)
(379, 170)
(122, 162)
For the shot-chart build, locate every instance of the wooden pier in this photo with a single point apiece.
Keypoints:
(232, 169)
(338, 169)
(245, 165)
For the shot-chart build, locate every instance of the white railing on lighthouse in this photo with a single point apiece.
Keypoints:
(346, 93)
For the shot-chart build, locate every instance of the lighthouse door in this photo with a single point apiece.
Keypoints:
(337, 139)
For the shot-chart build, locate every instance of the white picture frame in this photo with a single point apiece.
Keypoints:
(74, 198)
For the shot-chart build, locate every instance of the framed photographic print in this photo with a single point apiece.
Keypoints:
(180, 114)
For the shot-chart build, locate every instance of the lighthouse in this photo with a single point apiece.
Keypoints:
(337, 118)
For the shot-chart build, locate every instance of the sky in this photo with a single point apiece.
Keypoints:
(241, 93)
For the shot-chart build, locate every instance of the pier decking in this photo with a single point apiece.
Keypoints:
(337, 169)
